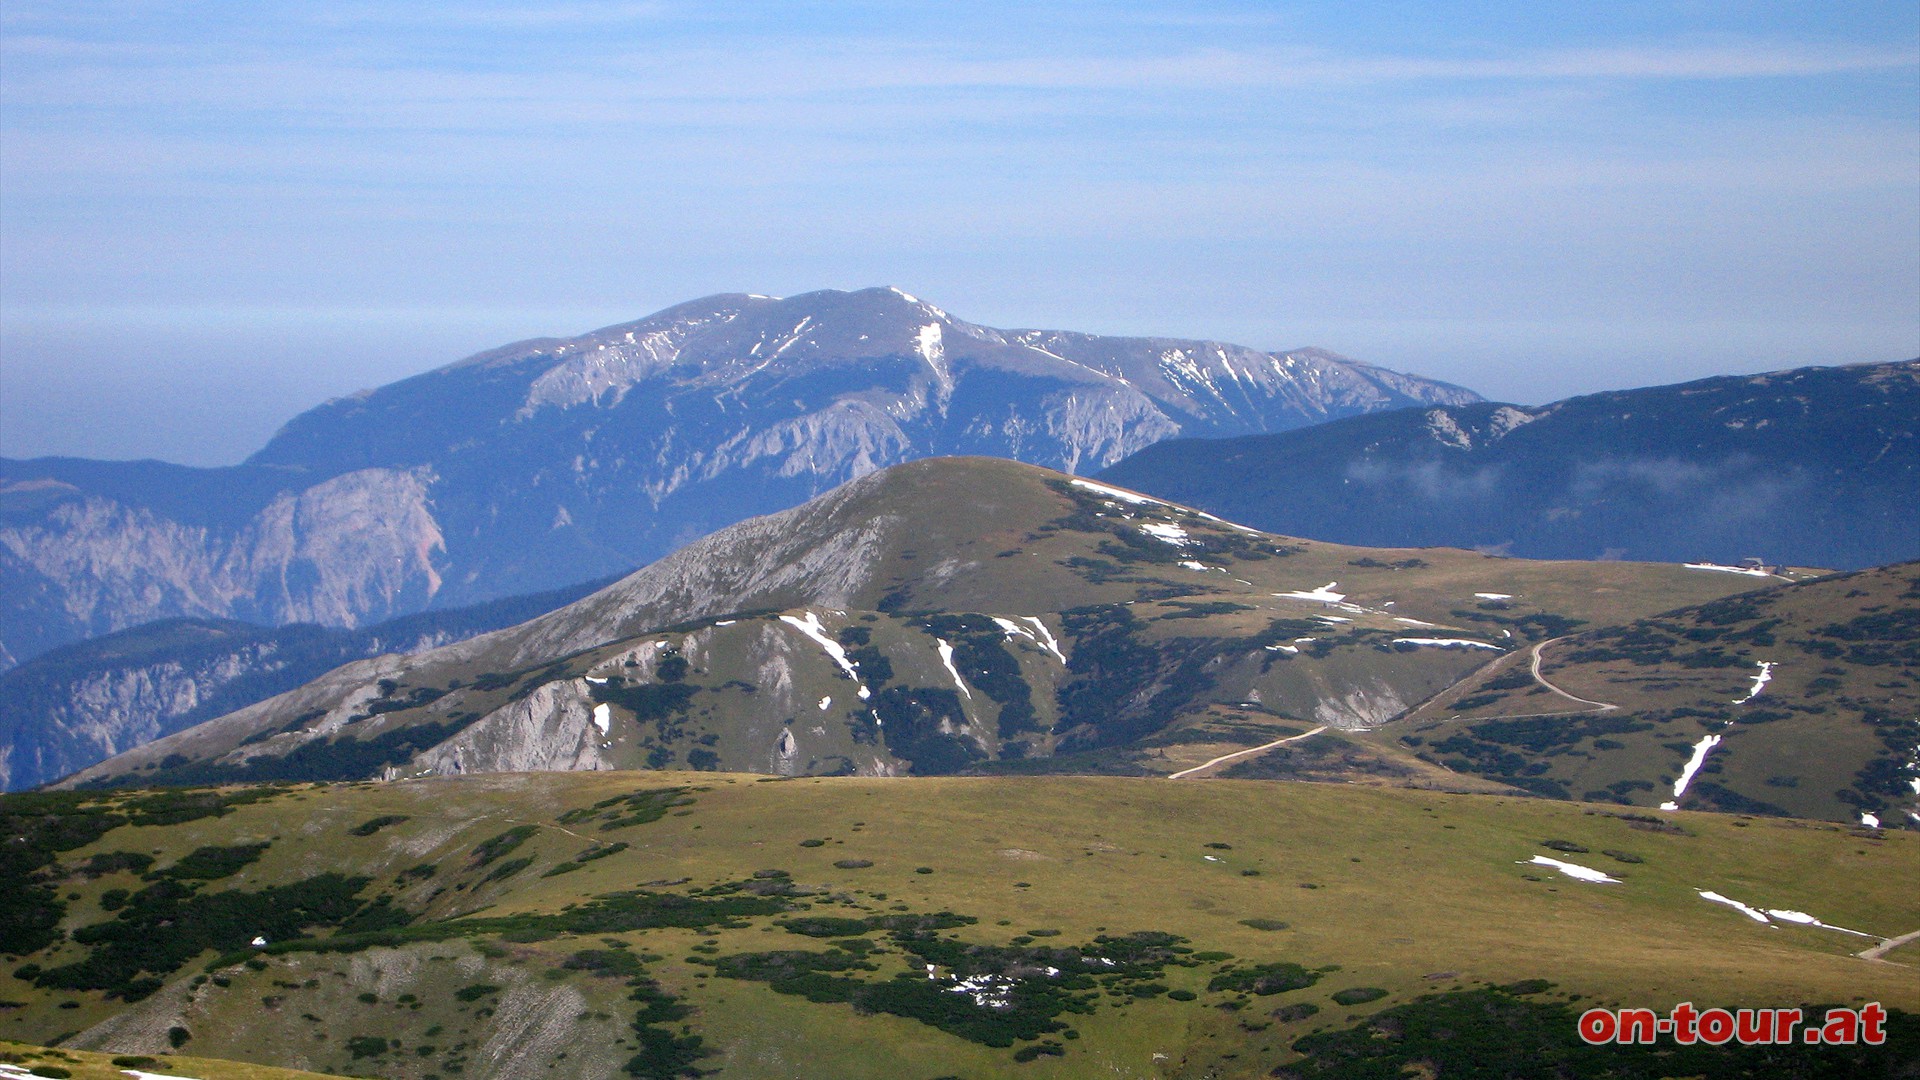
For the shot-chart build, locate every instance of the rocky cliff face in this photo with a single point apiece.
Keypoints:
(352, 549)
(104, 711)
(84, 702)
(554, 461)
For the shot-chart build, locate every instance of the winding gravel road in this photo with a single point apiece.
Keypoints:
(1248, 752)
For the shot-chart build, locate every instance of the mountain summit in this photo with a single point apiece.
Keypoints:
(938, 616)
(554, 461)
(830, 385)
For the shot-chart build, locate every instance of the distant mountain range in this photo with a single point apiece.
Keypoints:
(549, 462)
(1810, 467)
(968, 615)
(72, 706)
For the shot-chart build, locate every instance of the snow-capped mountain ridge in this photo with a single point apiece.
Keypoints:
(555, 460)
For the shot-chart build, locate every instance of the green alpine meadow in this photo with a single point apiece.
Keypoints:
(970, 768)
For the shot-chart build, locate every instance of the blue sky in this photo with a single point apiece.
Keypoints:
(215, 215)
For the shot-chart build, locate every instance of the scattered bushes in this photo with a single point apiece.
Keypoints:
(1264, 979)
(211, 863)
(494, 847)
(168, 923)
(374, 825)
(624, 811)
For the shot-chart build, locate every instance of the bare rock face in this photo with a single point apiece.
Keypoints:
(550, 729)
(368, 536)
(349, 550)
(554, 461)
(109, 711)
(91, 700)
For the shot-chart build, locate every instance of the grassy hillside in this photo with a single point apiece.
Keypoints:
(85, 1065)
(945, 616)
(1831, 731)
(615, 924)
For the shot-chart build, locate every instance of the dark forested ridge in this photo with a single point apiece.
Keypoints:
(1811, 467)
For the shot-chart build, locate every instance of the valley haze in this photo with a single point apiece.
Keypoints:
(874, 684)
(543, 463)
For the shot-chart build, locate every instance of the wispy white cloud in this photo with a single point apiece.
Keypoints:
(1200, 164)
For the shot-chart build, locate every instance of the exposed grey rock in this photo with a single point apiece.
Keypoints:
(554, 461)
(550, 729)
(351, 549)
(88, 701)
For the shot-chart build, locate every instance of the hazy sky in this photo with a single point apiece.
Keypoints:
(214, 215)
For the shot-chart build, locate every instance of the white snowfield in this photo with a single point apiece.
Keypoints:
(1324, 594)
(1494, 595)
(812, 627)
(1039, 635)
(1759, 682)
(946, 657)
(1228, 524)
(1446, 643)
(603, 717)
(1118, 493)
(1752, 913)
(1172, 534)
(1769, 915)
(1700, 751)
(1748, 571)
(1573, 870)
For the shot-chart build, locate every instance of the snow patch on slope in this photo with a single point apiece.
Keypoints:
(1700, 751)
(812, 627)
(946, 657)
(1172, 534)
(1117, 493)
(1744, 570)
(1573, 870)
(1323, 594)
(1759, 682)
